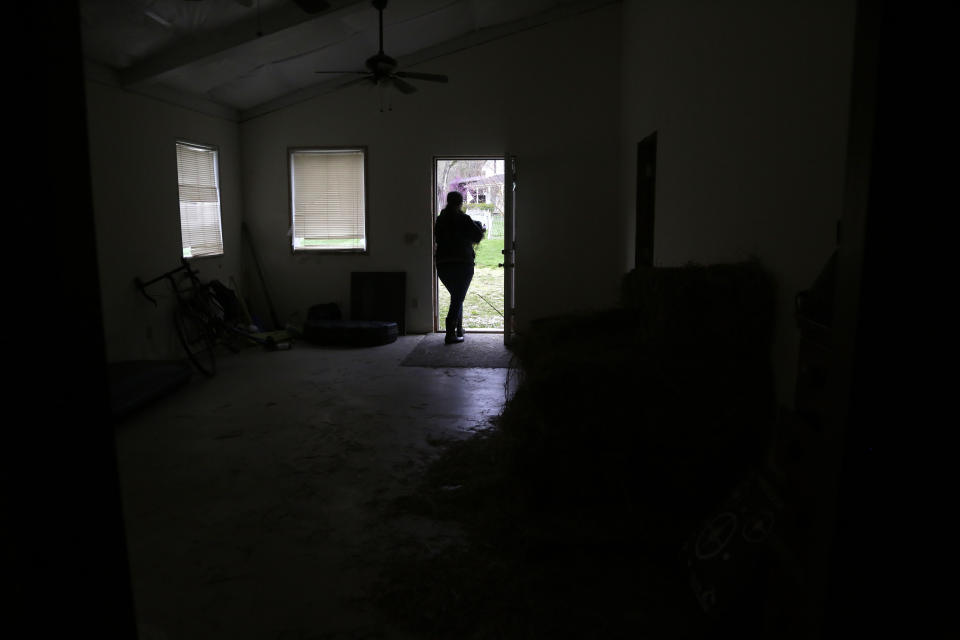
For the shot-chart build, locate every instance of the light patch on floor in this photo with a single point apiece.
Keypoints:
(257, 503)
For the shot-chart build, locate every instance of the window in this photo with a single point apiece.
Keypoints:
(328, 199)
(199, 183)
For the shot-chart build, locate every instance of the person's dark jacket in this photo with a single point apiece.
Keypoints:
(455, 234)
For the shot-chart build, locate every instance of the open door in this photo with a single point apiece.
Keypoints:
(509, 263)
(481, 182)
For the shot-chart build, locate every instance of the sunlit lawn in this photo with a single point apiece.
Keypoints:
(483, 306)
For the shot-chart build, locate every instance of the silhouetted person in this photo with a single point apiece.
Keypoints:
(455, 234)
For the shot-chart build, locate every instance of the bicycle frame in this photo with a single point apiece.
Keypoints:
(198, 317)
(184, 266)
(205, 314)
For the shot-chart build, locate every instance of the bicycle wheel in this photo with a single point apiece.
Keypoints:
(196, 339)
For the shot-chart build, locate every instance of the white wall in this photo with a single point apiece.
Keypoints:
(549, 95)
(134, 177)
(750, 101)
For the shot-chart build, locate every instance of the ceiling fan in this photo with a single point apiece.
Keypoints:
(382, 69)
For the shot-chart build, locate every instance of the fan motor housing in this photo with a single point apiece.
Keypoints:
(381, 64)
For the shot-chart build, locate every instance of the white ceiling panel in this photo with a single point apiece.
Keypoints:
(245, 53)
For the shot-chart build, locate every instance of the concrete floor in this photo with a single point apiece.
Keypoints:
(257, 503)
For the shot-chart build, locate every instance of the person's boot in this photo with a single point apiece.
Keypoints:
(460, 328)
(452, 337)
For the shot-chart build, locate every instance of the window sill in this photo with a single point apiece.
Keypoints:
(323, 252)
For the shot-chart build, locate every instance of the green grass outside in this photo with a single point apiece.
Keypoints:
(486, 289)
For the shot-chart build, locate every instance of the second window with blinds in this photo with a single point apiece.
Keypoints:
(328, 199)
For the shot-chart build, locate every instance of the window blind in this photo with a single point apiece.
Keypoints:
(328, 196)
(200, 231)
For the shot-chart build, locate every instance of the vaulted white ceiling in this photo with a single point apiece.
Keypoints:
(249, 56)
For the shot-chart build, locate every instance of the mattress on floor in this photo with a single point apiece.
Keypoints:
(352, 333)
(326, 326)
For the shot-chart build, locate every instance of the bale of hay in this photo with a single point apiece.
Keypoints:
(658, 406)
(725, 309)
(627, 426)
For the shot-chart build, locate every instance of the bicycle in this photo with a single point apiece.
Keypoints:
(199, 318)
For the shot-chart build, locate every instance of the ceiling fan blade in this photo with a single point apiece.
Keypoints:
(402, 85)
(363, 72)
(350, 83)
(431, 77)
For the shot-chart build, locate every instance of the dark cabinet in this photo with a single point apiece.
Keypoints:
(379, 295)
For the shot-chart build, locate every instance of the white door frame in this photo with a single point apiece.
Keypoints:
(509, 248)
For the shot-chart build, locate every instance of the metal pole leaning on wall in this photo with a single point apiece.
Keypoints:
(263, 282)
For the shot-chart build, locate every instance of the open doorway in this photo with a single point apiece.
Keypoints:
(481, 181)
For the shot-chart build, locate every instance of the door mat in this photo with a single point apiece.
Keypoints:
(478, 350)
